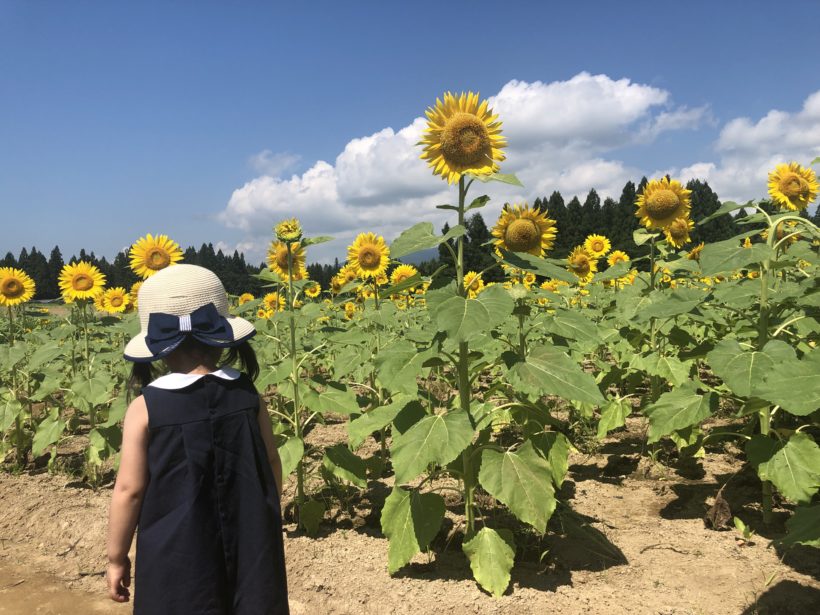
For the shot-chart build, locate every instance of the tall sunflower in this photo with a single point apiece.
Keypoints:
(150, 254)
(81, 280)
(792, 186)
(16, 286)
(582, 264)
(662, 202)
(462, 136)
(401, 273)
(597, 246)
(368, 255)
(115, 300)
(278, 260)
(521, 229)
(677, 233)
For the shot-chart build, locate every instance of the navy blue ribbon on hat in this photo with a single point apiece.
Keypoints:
(167, 331)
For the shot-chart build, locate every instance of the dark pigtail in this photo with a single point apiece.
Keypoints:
(141, 376)
(247, 359)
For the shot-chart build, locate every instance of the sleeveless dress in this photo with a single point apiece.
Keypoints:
(209, 535)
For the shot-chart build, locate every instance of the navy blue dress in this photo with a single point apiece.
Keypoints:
(209, 536)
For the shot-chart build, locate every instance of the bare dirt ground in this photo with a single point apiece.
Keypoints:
(630, 539)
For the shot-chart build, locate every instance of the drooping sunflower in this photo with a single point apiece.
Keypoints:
(662, 202)
(81, 280)
(473, 283)
(278, 260)
(617, 256)
(462, 136)
(401, 273)
(150, 254)
(582, 264)
(288, 231)
(597, 246)
(521, 229)
(694, 253)
(274, 302)
(792, 186)
(313, 290)
(677, 233)
(382, 279)
(368, 255)
(348, 273)
(336, 284)
(115, 300)
(16, 286)
(245, 298)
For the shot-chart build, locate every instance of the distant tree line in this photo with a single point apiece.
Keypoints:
(574, 220)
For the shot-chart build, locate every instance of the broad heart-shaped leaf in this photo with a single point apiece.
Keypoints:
(744, 370)
(420, 237)
(491, 556)
(554, 446)
(613, 415)
(498, 302)
(310, 516)
(615, 271)
(48, 432)
(536, 264)
(342, 463)
(410, 520)
(462, 319)
(290, 453)
(794, 384)
(678, 409)
(398, 366)
(804, 527)
(793, 467)
(730, 255)
(438, 438)
(548, 371)
(45, 354)
(337, 398)
(10, 409)
(504, 178)
(522, 480)
(362, 426)
(664, 304)
(10, 356)
(672, 369)
(313, 241)
(92, 391)
(573, 325)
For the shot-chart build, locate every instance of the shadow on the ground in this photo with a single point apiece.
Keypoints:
(802, 559)
(786, 598)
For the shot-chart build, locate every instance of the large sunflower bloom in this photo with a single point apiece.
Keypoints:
(273, 302)
(313, 290)
(597, 246)
(278, 260)
(792, 186)
(81, 280)
(662, 202)
(462, 136)
(401, 273)
(677, 233)
(521, 229)
(150, 254)
(368, 255)
(582, 264)
(245, 298)
(115, 300)
(16, 286)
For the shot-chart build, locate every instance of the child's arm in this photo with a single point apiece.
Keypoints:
(126, 500)
(266, 427)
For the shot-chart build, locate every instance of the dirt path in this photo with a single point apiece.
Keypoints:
(635, 543)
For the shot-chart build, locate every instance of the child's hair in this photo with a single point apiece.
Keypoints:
(143, 373)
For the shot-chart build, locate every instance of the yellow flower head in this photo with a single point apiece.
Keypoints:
(677, 233)
(582, 264)
(616, 257)
(662, 202)
(528, 279)
(597, 246)
(273, 302)
(747, 243)
(245, 298)
(81, 280)
(462, 136)
(278, 260)
(473, 283)
(313, 290)
(16, 286)
(263, 313)
(368, 255)
(694, 253)
(336, 284)
(792, 186)
(783, 230)
(402, 273)
(288, 231)
(115, 300)
(348, 273)
(150, 254)
(521, 229)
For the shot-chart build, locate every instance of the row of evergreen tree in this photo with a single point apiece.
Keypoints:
(574, 220)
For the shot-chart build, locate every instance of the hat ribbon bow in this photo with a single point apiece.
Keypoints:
(167, 331)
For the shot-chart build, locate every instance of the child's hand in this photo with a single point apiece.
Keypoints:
(118, 577)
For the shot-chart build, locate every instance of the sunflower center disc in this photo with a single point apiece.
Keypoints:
(82, 281)
(662, 204)
(580, 264)
(158, 259)
(11, 288)
(598, 245)
(115, 301)
(794, 186)
(522, 235)
(465, 141)
(369, 258)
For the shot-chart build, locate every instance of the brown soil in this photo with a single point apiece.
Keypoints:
(635, 543)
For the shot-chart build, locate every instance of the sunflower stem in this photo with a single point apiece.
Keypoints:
(11, 326)
(294, 376)
(764, 415)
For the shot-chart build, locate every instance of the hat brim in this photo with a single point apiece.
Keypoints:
(137, 350)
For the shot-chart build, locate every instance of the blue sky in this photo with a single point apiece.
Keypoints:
(207, 120)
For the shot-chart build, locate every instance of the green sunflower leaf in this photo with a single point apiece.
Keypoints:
(730, 255)
(804, 527)
(613, 415)
(793, 467)
(744, 370)
(346, 465)
(48, 432)
(410, 520)
(678, 409)
(421, 237)
(793, 384)
(290, 452)
(491, 554)
(549, 371)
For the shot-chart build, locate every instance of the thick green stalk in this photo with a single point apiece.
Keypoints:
(764, 415)
(294, 375)
(11, 326)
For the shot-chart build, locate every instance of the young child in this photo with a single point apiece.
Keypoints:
(199, 472)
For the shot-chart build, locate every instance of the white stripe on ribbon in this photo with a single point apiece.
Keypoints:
(185, 323)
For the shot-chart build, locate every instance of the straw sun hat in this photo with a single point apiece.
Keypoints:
(181, 301)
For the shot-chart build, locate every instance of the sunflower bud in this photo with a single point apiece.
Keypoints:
(289, 231)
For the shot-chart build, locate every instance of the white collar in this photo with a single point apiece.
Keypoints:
(176, 380)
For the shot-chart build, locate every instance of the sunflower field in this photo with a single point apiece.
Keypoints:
(458, 392)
